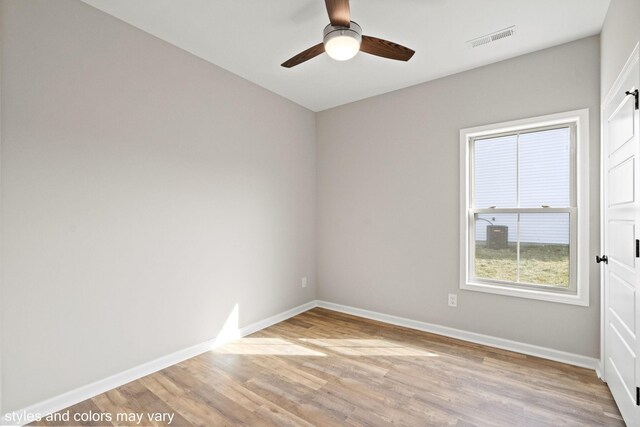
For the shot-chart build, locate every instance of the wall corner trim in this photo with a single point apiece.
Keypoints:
(515, 346)
(70, 398)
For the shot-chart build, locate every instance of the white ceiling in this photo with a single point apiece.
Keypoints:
(252, 38)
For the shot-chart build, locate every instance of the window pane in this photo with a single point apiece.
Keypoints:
(544, 248)
(545, 168)
(495, 171)
(496, 256)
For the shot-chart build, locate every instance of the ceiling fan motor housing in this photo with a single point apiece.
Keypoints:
(332, 31)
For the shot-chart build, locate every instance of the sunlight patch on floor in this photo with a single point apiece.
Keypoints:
(266, 346)
(368, 347)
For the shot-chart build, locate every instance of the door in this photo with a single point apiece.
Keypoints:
(621, 219)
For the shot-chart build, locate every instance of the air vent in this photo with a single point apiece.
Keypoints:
(495, 36)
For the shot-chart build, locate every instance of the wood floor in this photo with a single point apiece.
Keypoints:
(330, 369)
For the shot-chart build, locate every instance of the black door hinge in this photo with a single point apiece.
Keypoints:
(636, 94)
(637, 396)
(602, 258)
(637, 248)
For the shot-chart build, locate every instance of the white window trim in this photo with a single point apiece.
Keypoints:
(581, 120)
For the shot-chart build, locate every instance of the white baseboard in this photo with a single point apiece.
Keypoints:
(518, 347)
(88, 391)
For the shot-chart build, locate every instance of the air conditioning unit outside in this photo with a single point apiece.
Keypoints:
(497, 237)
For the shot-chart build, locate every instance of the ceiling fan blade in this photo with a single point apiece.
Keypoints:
(339, 12)
(306, 55)
(385, 49)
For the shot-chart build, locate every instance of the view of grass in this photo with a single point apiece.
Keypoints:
(539, 264)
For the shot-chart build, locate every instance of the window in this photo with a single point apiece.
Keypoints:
(524, 198)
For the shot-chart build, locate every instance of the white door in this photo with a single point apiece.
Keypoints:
(621, 211)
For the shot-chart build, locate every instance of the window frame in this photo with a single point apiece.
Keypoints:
(578, 291)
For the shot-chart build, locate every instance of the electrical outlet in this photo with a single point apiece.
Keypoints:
(303, 282)
(453, 300)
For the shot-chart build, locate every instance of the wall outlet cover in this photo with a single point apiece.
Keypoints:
(453, 300)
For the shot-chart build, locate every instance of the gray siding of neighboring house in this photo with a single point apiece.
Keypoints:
(543, 179)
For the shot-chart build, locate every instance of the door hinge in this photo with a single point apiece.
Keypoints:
(602, 258)
(636, 94)
(637, 396)
(637, 248)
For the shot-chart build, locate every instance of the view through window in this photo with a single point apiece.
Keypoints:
(523, 207)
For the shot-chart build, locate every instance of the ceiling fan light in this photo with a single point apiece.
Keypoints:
(342, 43)
(342, 48)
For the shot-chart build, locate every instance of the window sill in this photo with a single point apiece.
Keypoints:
(573, 299)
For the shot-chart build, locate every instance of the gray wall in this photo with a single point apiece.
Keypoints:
(388, 196)
(620, 34)
(145, 193)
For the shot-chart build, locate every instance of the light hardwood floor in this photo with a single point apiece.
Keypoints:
(326, 368)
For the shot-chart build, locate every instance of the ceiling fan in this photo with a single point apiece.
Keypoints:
(343, 39)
